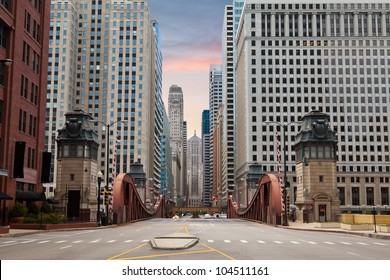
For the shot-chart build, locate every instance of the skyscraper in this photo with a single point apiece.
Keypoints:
(206, 158)
(104, 57)
(325, 55)
(175, 113)
(195, 171)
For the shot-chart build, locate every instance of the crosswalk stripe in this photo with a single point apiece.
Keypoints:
(65, 247)
(27, 241)
(44, 241)
(227, 241)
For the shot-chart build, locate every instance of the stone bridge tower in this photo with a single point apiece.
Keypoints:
(315, 149)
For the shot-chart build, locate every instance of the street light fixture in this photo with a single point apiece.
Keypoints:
(108, 125)
(285, 183)
(100, 177)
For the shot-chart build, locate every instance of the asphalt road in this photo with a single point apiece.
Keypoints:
(219, 240)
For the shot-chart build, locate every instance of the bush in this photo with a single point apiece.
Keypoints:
(33, 209)
(19, 210)
(46, 208)
(47, 218)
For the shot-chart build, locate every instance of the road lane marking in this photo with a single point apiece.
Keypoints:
(111, 241)
(227, 241)
(167, 255)
(219, 252)
(312, 242)
(27, 241)
(9, 242)
(244, 241)
(128, 241)
(353, 254)
(61, 241)
(66, 247)
(260, 241)
(330, 243)
(78, 241)
(144, 241)
(128, 251)
(210, 241)
(346, 243)
(44, 241)
(95, 241)
(378, 243)
(278, 242)
(361, 243)
(294, 242)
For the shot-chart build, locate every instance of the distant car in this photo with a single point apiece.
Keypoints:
(223, 216)
(207, 216)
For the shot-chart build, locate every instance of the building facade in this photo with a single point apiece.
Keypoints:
(104, 57)
(24, 29)
(333, 56)
(195, 172)
(207, 193)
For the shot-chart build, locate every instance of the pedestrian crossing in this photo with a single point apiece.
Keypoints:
(66, 243)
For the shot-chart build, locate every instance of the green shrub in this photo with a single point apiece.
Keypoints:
(46, 218)
(19, 210)
(46, 208)
(33, 209)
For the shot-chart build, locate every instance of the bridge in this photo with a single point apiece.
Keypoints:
(266, 205)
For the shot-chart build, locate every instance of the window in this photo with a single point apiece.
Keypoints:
(370, 195)
(342, 195)
(385, 196)
(355, 196)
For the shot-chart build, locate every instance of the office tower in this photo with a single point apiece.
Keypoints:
(228, 157)
(195, 171)
(175, 113)
(206, 158)
(23, 62)
(104, 57)
(326, 55)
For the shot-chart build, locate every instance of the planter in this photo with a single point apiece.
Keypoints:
(384, 228)
(4, 230)
(356, 227)
(327, 225)
(17, 220)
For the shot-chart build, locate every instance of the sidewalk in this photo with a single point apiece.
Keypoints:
(298, 225)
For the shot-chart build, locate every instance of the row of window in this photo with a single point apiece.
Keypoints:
(356, 198)
(24, 90)
(32, 124)
(352, 6)
(31, 58)
(35, 29)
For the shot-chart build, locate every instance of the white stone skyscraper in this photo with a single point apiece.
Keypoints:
(195, 171)
(102, 58)
(334, 56)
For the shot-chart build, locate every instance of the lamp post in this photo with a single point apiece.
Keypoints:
(108, 125)
(374, 212)
(100, 177)
(285, 183)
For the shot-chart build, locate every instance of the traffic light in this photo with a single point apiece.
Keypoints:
(106, 197)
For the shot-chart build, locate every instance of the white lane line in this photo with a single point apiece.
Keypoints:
(128, 241)
(78, 241)
(244, 241)
(61, 241)
(9, 242)
(378, 243)
(44, 241)
(330, 243)
(66, 247)
(111, 241)
(278, 242)
(294, 242)
(27, 241)
(95, 241)
(144, 241)
(361, 243)
(353, 254)
(261, 241)
(346, 243)
(312, 242)
(210, 241)
(227, 241)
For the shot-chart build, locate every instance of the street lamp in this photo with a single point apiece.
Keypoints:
(285, 183)
(108, 125)
(100, 177)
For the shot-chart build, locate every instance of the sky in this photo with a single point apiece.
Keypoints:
(191, 34)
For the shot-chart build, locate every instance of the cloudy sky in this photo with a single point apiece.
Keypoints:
(191, 41)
